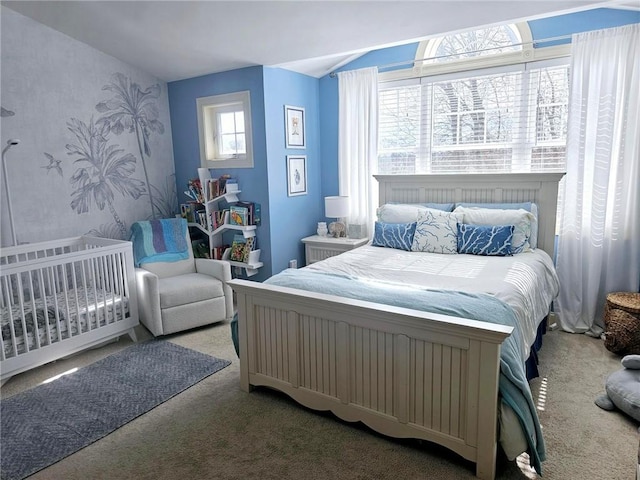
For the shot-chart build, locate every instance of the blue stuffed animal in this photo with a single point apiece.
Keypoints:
(623, 389)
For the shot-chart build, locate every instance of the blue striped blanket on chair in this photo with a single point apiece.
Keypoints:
(163, 240)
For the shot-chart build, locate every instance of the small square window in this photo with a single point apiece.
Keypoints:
(224, 123)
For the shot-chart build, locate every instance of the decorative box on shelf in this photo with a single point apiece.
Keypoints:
(318, 248)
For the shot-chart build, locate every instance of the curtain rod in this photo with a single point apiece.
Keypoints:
(420, 60)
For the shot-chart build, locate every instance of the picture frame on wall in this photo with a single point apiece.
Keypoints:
(295, 127)
(296, 175)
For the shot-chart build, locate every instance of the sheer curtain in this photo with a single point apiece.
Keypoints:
(599, 242)
(358, 143)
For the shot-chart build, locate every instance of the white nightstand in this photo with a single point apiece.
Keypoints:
(318, 248)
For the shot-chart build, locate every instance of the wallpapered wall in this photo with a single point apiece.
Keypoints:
(95, 150)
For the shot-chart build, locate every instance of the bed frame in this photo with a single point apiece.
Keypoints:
(402, 372)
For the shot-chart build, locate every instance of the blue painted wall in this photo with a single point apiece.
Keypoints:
(288, 219)
(292, 218)
(186, 146)
(285, 220)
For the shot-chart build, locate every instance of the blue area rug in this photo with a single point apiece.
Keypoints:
(49, 422)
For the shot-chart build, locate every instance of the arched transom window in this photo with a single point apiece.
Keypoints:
(475, 43)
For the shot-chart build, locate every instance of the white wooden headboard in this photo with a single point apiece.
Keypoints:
(541, 188)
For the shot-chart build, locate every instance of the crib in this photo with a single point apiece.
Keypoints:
(62, 296)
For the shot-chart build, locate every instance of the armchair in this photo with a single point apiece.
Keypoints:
(178, 294)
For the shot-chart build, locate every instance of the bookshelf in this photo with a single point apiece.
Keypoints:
(215, 222)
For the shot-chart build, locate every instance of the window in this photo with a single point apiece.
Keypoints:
(224, 123)
(505, 118)
(476, 43)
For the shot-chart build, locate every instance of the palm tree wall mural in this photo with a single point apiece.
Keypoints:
(49, 106)
(133, 109)
(103, 169)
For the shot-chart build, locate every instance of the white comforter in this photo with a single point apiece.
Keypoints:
(527, 281)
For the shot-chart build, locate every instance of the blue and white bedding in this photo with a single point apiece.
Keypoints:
(515, 290)
(527, 282)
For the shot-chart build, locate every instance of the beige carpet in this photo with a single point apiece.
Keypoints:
(215, 431)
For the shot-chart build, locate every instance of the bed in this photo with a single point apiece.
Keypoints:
(402, 370)
(62, 296)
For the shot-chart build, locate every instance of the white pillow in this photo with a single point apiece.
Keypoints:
(436, 232)
(533, 240)
(399, 213)
(520, 219)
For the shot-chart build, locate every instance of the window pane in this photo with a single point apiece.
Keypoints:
(398, 129)
(482, 110)
(231, 144)
(445, 130)
(240, 143)
(552, 110)
(239, 117)
(399, 118)
(401, 163)
(227, 123)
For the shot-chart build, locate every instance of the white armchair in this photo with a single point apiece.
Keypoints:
(176, 296)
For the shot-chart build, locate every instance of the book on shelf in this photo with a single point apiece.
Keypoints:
(256, 214)
(248, 247)
(241, 247)
(194, 190)
(253, 211)
(222, 183)
(190, 212)
(185, 212)
(218, 218)
(218, 252)
(238, 248)
(216, 187)
(238, 215)
(201, 218)
(213, 189)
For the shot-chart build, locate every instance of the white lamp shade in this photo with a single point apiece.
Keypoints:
(336, 207)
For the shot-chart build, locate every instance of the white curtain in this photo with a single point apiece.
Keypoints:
(358, 143)
(599, 242)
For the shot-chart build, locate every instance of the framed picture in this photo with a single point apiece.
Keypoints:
(296, 175)
(294, 129)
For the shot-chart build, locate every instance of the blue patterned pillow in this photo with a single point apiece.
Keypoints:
(485, 240)
(394, 235)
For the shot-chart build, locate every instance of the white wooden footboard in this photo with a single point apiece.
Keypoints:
(402, 372)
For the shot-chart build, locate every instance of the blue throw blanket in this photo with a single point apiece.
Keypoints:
(161, 240)
(513, 384)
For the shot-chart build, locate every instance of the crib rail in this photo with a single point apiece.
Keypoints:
(52, 292)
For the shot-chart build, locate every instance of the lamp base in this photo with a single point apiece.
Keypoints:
(337, 229)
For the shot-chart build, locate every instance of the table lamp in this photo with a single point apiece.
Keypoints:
(337, 207)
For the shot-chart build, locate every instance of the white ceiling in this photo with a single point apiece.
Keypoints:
(174, 40)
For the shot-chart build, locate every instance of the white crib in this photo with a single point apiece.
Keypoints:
(63, 296)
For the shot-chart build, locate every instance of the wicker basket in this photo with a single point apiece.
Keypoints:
(622, 323)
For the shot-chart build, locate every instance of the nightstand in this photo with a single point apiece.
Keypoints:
(318, 248)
